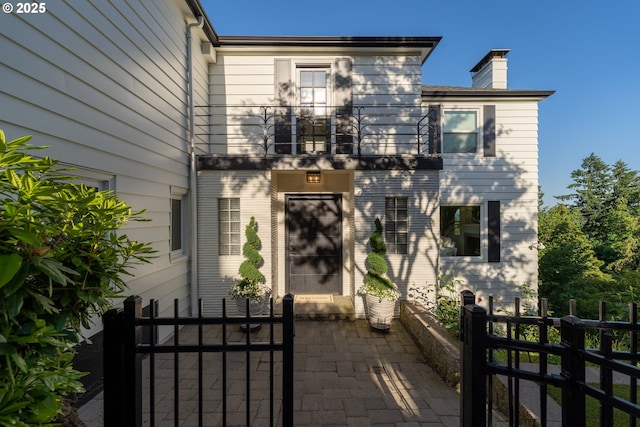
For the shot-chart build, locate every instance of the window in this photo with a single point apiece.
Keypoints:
(460, 132)
(313, 124)
(460, 230)
(176, 224)
(229, 226)
(396, 226)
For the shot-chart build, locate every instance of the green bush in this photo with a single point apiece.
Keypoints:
(251, 283)
(376, 282)
(62, 262)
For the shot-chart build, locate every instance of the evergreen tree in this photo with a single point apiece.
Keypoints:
(626, 183)
(592, 195)
(567, 256)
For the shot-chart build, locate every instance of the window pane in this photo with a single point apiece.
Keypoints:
(306, 95)
(306, 79)
(320, 78)
(460, 121)
(176, 224)
(459, 143)
(460, 230)
(320, 95)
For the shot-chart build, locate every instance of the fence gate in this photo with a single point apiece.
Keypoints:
(585, 370)
(210, 372)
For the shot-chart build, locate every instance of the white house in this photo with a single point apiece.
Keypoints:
(317, 136)
(314, 136)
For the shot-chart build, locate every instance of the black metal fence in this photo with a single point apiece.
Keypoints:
(196, 376)
(499, 344)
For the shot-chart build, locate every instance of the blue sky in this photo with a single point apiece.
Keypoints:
(588, 51)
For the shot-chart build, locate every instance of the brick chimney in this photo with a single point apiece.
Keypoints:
(491, 71)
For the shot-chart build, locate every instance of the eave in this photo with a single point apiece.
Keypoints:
(422, 46)
(431, 93)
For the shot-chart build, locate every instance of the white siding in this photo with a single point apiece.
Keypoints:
(419, 267)
(216, 273)
(104, 85)
(511, 178)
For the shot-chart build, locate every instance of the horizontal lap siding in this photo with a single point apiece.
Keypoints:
(238, 85)
(104, 86)
(512, 178)
(389, 88)
(419, 266)
(217, 273)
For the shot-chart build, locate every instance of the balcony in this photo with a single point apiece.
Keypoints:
(358, 137)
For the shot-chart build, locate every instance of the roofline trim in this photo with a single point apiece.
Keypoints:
(486, 93)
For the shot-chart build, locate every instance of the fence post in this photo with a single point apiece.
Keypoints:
(132, 363)
(466, 297)
(288, 333)
(573, 366)
(113, 381)
(473, 374)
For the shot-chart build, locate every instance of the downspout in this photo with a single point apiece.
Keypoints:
(193, 174)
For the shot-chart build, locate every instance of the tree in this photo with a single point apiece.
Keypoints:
(566, 257)
(608, 200)
(592, 196)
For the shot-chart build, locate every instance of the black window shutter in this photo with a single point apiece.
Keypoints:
(493, 234)
(433, 133)
(344, 105)
(283, 96)
(489, 131)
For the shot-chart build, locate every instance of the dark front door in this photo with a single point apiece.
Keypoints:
(314, 244)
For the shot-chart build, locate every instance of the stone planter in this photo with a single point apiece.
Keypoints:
(380, 313)
(256, 308)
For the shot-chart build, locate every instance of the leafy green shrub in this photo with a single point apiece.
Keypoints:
(376, 283)
(251, 285)
(62, 262)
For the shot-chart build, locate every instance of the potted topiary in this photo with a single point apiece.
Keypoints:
(380, 293)
(251, 285)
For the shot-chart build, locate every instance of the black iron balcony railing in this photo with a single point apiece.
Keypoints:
(318, 130)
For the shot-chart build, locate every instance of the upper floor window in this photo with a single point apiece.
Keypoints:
(229, 226)
(313, 122)
(460, 131)
(460, 230)
(396, 227)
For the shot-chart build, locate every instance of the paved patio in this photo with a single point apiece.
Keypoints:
(345, 375)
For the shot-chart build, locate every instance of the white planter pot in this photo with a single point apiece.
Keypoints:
(256, 308)
(380, 313)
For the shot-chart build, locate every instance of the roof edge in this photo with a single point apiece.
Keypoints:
(198, 10)
(465, 92)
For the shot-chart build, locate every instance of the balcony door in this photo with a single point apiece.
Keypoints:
(313, 122)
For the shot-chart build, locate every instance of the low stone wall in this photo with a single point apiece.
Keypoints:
(440, 350)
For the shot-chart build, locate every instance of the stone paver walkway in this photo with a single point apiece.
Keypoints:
(345, 375)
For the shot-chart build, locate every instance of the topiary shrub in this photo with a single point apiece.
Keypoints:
(376, 283)
(251, 285)
(61, 263)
